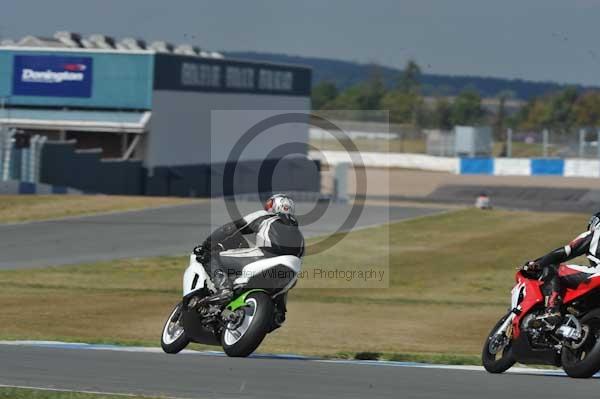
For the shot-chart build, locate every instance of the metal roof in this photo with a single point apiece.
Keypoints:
(105, 121)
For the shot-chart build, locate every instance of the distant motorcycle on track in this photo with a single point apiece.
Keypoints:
(521, 336)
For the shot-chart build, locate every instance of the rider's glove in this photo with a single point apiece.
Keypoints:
(201, 253)
(531, 266)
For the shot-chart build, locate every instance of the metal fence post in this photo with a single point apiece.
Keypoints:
(7, 153)
(598, 143)
(581, 143)
(545, 143)
(35, 159)
(340, 182)
(509, 133)
(24, 166)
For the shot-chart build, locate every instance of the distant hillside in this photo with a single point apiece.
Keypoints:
(347, 73)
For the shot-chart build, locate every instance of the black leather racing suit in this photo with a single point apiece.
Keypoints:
(585, 243)
(275, 235)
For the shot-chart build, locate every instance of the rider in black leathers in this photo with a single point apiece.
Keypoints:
(585, 243)
(277, 233)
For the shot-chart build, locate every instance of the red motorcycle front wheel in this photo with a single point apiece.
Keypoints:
(497, 356)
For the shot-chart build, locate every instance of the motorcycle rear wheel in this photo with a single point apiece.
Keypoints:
(490, 360)
(241, 339)
(584, 361)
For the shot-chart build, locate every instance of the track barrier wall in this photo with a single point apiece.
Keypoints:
(570, 167)
(523, 167)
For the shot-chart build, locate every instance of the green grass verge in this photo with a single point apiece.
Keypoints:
(23, 208)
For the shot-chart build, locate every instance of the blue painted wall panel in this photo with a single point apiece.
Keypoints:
(476, 166)
(543, 166)
(118, 80)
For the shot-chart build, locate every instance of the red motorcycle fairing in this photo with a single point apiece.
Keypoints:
(577, 280)
(532, 297)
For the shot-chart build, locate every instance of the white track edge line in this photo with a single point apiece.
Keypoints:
(384, 363)
(126, 395)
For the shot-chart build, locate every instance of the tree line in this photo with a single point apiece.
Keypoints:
(561, 111)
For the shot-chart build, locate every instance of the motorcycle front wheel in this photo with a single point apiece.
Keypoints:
(497, 359)
(173, 339)
(241, 337)
(583, 361)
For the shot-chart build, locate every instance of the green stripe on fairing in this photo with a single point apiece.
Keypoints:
(241, 300)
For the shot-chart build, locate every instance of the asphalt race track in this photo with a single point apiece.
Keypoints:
(164, 231)
(210, 376)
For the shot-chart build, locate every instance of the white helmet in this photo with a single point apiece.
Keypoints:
(280, 204)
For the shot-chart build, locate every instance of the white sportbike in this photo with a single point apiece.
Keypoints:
(258, 307)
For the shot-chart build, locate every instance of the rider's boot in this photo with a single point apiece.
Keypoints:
(553, 315)
(224, 289)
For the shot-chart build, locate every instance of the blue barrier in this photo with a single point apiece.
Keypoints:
(541, 166)
(477, 166)
(536, 166)
(27, 188)
(59, 190)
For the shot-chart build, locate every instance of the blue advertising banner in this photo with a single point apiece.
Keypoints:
(52, 76)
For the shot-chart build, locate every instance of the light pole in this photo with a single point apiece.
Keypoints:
(2, 106)
(509, 133)
(581, 143)
(545, 143)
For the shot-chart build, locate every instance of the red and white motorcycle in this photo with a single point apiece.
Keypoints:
(520, 336)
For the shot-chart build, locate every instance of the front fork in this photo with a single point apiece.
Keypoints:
(502, 335)
(506, 327)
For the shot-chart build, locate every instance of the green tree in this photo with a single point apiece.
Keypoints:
(466, 109)
(536, 114)
(364, 96)
(410, 80)
(587, 109)
(556, 111)
(347, 99)
(443, 114)
(562, 108)
(323, 93)
(403, 107)
(372, 91)
(405, 103)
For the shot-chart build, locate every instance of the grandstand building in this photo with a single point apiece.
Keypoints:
(108, 105)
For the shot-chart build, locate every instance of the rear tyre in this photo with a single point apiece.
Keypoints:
(497, 360)
(241, 338)
(584, 361)
(173, 339)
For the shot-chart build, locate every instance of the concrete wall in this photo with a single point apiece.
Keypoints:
(467, 166)
(388, 160)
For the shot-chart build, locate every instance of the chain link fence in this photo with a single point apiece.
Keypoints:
(370, 136)
(580, 143)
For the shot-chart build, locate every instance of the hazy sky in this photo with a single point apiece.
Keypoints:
(556, 40)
